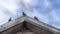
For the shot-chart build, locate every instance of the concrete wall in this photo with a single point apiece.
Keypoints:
(32, 24)
(13, 29)
(10, 24)
(36, 29)
(41, 25)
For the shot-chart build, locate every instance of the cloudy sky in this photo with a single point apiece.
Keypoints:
(48, 11)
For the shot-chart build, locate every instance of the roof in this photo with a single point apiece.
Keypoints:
(29, 20)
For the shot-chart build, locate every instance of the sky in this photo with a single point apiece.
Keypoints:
(47, 11)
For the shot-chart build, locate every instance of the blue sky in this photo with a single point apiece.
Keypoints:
(47, 11)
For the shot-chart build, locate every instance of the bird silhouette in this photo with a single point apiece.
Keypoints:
(35, 18)
(24, 14)
(9, 19)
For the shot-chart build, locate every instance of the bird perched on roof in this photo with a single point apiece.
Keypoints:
(36, 18)
(9, 19)
(24, 14)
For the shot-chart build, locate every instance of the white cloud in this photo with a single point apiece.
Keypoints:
(8, 8)
(26, 1)
(9, 5)
(3, 18)
(46, 13)
(54, 19)
(50, 17)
